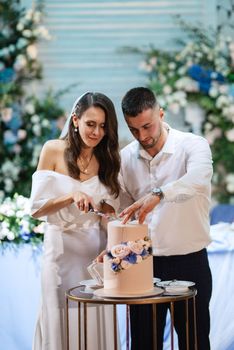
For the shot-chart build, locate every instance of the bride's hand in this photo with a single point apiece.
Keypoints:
(100, 257)
(83, 201)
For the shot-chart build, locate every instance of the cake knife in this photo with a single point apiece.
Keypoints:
(109, 217)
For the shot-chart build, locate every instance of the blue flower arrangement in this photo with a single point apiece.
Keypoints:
(122, 256)
(197, 81)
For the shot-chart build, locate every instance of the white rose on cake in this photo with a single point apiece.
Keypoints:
(138, 259)
(120, 251)
(145, 242)
(136, 247)
(116, 260)
(125, 264)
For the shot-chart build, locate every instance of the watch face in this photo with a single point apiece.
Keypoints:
(157, 192)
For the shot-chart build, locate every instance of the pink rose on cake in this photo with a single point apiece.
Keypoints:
(120, 251)
(125, 264)
(136, 247)
(145, 242)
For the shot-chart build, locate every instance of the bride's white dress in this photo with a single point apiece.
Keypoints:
(72, 240)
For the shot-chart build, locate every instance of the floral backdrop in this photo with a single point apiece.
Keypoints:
(26, 121)
(198, 80)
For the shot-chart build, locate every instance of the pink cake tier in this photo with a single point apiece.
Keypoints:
(123, 276)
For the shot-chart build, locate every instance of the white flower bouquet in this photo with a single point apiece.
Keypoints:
(16, 224)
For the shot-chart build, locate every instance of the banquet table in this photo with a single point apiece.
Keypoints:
(20, 294)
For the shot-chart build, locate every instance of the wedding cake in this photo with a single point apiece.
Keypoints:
(128, 264)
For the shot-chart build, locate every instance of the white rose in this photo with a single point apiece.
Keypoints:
(136, 247)
(230, 183)
(138, 259)
(167, 89)
(36, 128)
(230, 188)
(116, 261)
(212, 135)
(120, 251)
(27, 33)
(40, 228)
(230, 135)
(147, 244)
(29, 108)
(21, 134)
(153, 61)
(32, 51)
(174, 107)
(125, 264)
(20, 63)
(35, 119)
(6, 114)
(8, 185)
(10, 236)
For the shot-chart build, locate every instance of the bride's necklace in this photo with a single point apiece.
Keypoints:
(84, 166)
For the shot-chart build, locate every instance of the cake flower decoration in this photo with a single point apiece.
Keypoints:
(122, 256)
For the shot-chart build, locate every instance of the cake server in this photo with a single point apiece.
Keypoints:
(109, 217)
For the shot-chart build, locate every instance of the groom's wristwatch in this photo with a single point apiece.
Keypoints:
(157, 192)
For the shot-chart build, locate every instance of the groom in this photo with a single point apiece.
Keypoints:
(167, 182)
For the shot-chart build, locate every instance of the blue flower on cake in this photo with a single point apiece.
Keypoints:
(122, 256)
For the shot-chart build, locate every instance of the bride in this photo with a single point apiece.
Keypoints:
(76, 172)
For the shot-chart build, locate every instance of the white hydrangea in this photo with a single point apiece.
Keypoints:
(145, 67)
(167, 89)
(36, 129)
(42, 32)
(20, 63)
(21, 133)
(230, 183)
(35, 156)
(4, 229)
(29, 108)
(187, 84)
(45, 123)
(10, 236)
(230, 135)
(35, 119)
(27, 33)
(8, 185)
(10, 170)
(32, 51)
(222, 101)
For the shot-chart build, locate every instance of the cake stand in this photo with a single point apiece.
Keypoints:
(82, 298)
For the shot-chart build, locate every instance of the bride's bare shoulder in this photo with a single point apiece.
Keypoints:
(55, 145)
(51, 154)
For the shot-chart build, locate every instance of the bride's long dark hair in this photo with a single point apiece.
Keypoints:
(106, 152)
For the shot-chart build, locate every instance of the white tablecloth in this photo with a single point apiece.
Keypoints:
(20, 294)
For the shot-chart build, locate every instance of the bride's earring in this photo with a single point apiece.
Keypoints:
(76, 129)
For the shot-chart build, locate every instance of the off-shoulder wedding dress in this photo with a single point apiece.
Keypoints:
(72, 240)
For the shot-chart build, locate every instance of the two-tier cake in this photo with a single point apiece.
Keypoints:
(128, 264)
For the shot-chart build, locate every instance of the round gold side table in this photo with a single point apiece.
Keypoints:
(82, 299)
